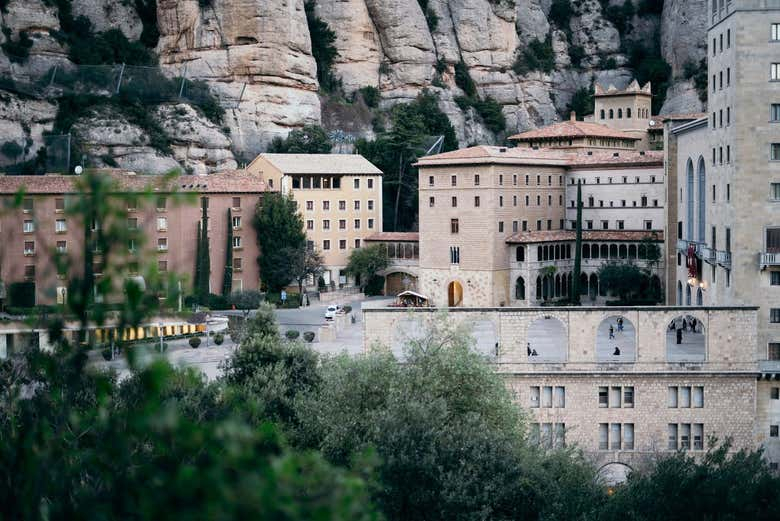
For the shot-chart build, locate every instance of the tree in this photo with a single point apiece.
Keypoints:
(204, 271)
(575, 281)
(311, 139)
(305, 262)
(227, 279)
(323, 48)
(652, 250)
(366, 262)
(632, 284)
(279, 228)
(720, 485)
(261, 324)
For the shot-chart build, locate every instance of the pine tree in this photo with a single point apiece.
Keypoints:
(575, 285)
(227, 280)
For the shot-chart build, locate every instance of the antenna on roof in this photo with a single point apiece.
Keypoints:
(436, 146)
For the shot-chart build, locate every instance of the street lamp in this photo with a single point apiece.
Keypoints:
(162, 335)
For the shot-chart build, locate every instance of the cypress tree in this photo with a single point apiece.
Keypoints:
(227, 280)
(205, 257)
(575, 283)
(196, 279)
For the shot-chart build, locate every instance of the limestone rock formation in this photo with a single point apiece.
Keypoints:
(24, 122)
(110, 15)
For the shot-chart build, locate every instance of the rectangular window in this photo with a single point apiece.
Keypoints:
(371, 204)
(132, 223)
(671, 400)
(370, 183)
(29, 247)
(615, 397)
(560, 397)
(605, 225)
(775, 113)
(162, 223)
(698, 397)
(454, 202)
(538, 225)
(454, 227)
(62, 246)
(775, 34)
(431, 202)
(236, 203)
(603, 436)
(357, 205)
(326, 244)
(28, 226)
(357, 224)
(370, 224)
(500, 226)
(774, 72)
(534, 396)
(500, 179)
(162, 266)
(454, 255)
(546, 397)
(603, 397)
(774, 315)
(672, 436)
(476, 201)
(774, 191)
(454, 180)
(29, 271)
(698, 436)
(773, 431)
(162, 244)
(525, 226)
(310, 224)
(628, 397)
(236, 243)
(685, 397)
(60, 226)
(326, 224)
(628, 436)
(773, 351)
(59, 204)
(685, 436)
(343, 244)
(774, 278)
(356, 184)
(774, 393)
(310, 205)
(430, 180)
(500, 200)
(614, 436)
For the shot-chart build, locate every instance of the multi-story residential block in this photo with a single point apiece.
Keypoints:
(33, 234)
(724, 193)
(339, 197)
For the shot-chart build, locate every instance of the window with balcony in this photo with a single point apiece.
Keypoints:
(773, 240)
(773, 351)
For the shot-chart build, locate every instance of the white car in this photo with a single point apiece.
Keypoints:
(332, 310)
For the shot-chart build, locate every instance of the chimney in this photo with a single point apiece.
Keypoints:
(573, 116)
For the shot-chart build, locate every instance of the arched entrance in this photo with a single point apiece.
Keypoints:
(454, 294)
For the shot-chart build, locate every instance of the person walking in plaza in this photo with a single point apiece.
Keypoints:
(620, 324)
(611, 332)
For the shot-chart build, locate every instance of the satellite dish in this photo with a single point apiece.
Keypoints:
(78, 170)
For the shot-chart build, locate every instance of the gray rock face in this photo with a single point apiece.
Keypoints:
(683, 33)
(110, 15)
(23, 122)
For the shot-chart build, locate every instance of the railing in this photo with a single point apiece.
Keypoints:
(724, 258)
(707, 254)
(770, 259)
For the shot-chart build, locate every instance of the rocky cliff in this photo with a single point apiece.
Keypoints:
(258, 58)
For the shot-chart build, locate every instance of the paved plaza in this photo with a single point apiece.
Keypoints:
(624, 341)
(547, 337)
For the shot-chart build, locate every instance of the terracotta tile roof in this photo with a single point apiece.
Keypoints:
(347, 164)
(235, 181)
(587, 235)
(573, 129)
(548, 156)
(393, 237)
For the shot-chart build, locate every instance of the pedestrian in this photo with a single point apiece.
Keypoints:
(612, 332)
(533, 353)
(620, 324)
(528, 347)
(308, 303)
(693, 325)
(684, 325)
(616, 352)
(679, 336)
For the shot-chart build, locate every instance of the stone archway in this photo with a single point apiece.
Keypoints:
(454, 294)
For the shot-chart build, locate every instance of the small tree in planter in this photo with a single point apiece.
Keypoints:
(292, 334)
(308, 336)
(219, 338)
(194, 342)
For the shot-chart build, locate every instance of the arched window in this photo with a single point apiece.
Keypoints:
(689, 201)
(594, 251)
(520, 289)
(520, 254)
(687, 295)
(632, 251)
(538, 253)
(594, 286)
(583, 283)
(546, 252)
(557, 251)
(699, 297)
(613, 251)
(686, 340)
(586, 251)
(602, 114)
(620, 113)
(557, 286)
(642, 251)
(628, 112)
(623, 251)
(679, 293)
(702, 200)
(564, 286)
(538, 288)
(568, 251)
(604, 251)
(611, 114)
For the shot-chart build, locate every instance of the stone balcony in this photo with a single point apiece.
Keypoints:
(769, 259)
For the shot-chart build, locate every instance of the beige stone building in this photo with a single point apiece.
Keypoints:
(339, 197)
(653, 397)
(496, 227)
(724, 194)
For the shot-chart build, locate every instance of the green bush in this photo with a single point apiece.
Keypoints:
(464, 81)
(218, 302)
(347, 309)
(21, 294)
(17, 50)
(538, 56)
(311, 139)
(576, 54)
(370, 95)
(194, 342)
(293, 300)
(11, 149)
(292, 334)
(323, 48)
(698, 73)
(308, 336)
(581, 102)
(430, 15)
(219, 338)
(106, 352)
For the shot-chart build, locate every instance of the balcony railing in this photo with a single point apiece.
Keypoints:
(770, 259)
(724, 258)
(707, 254)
